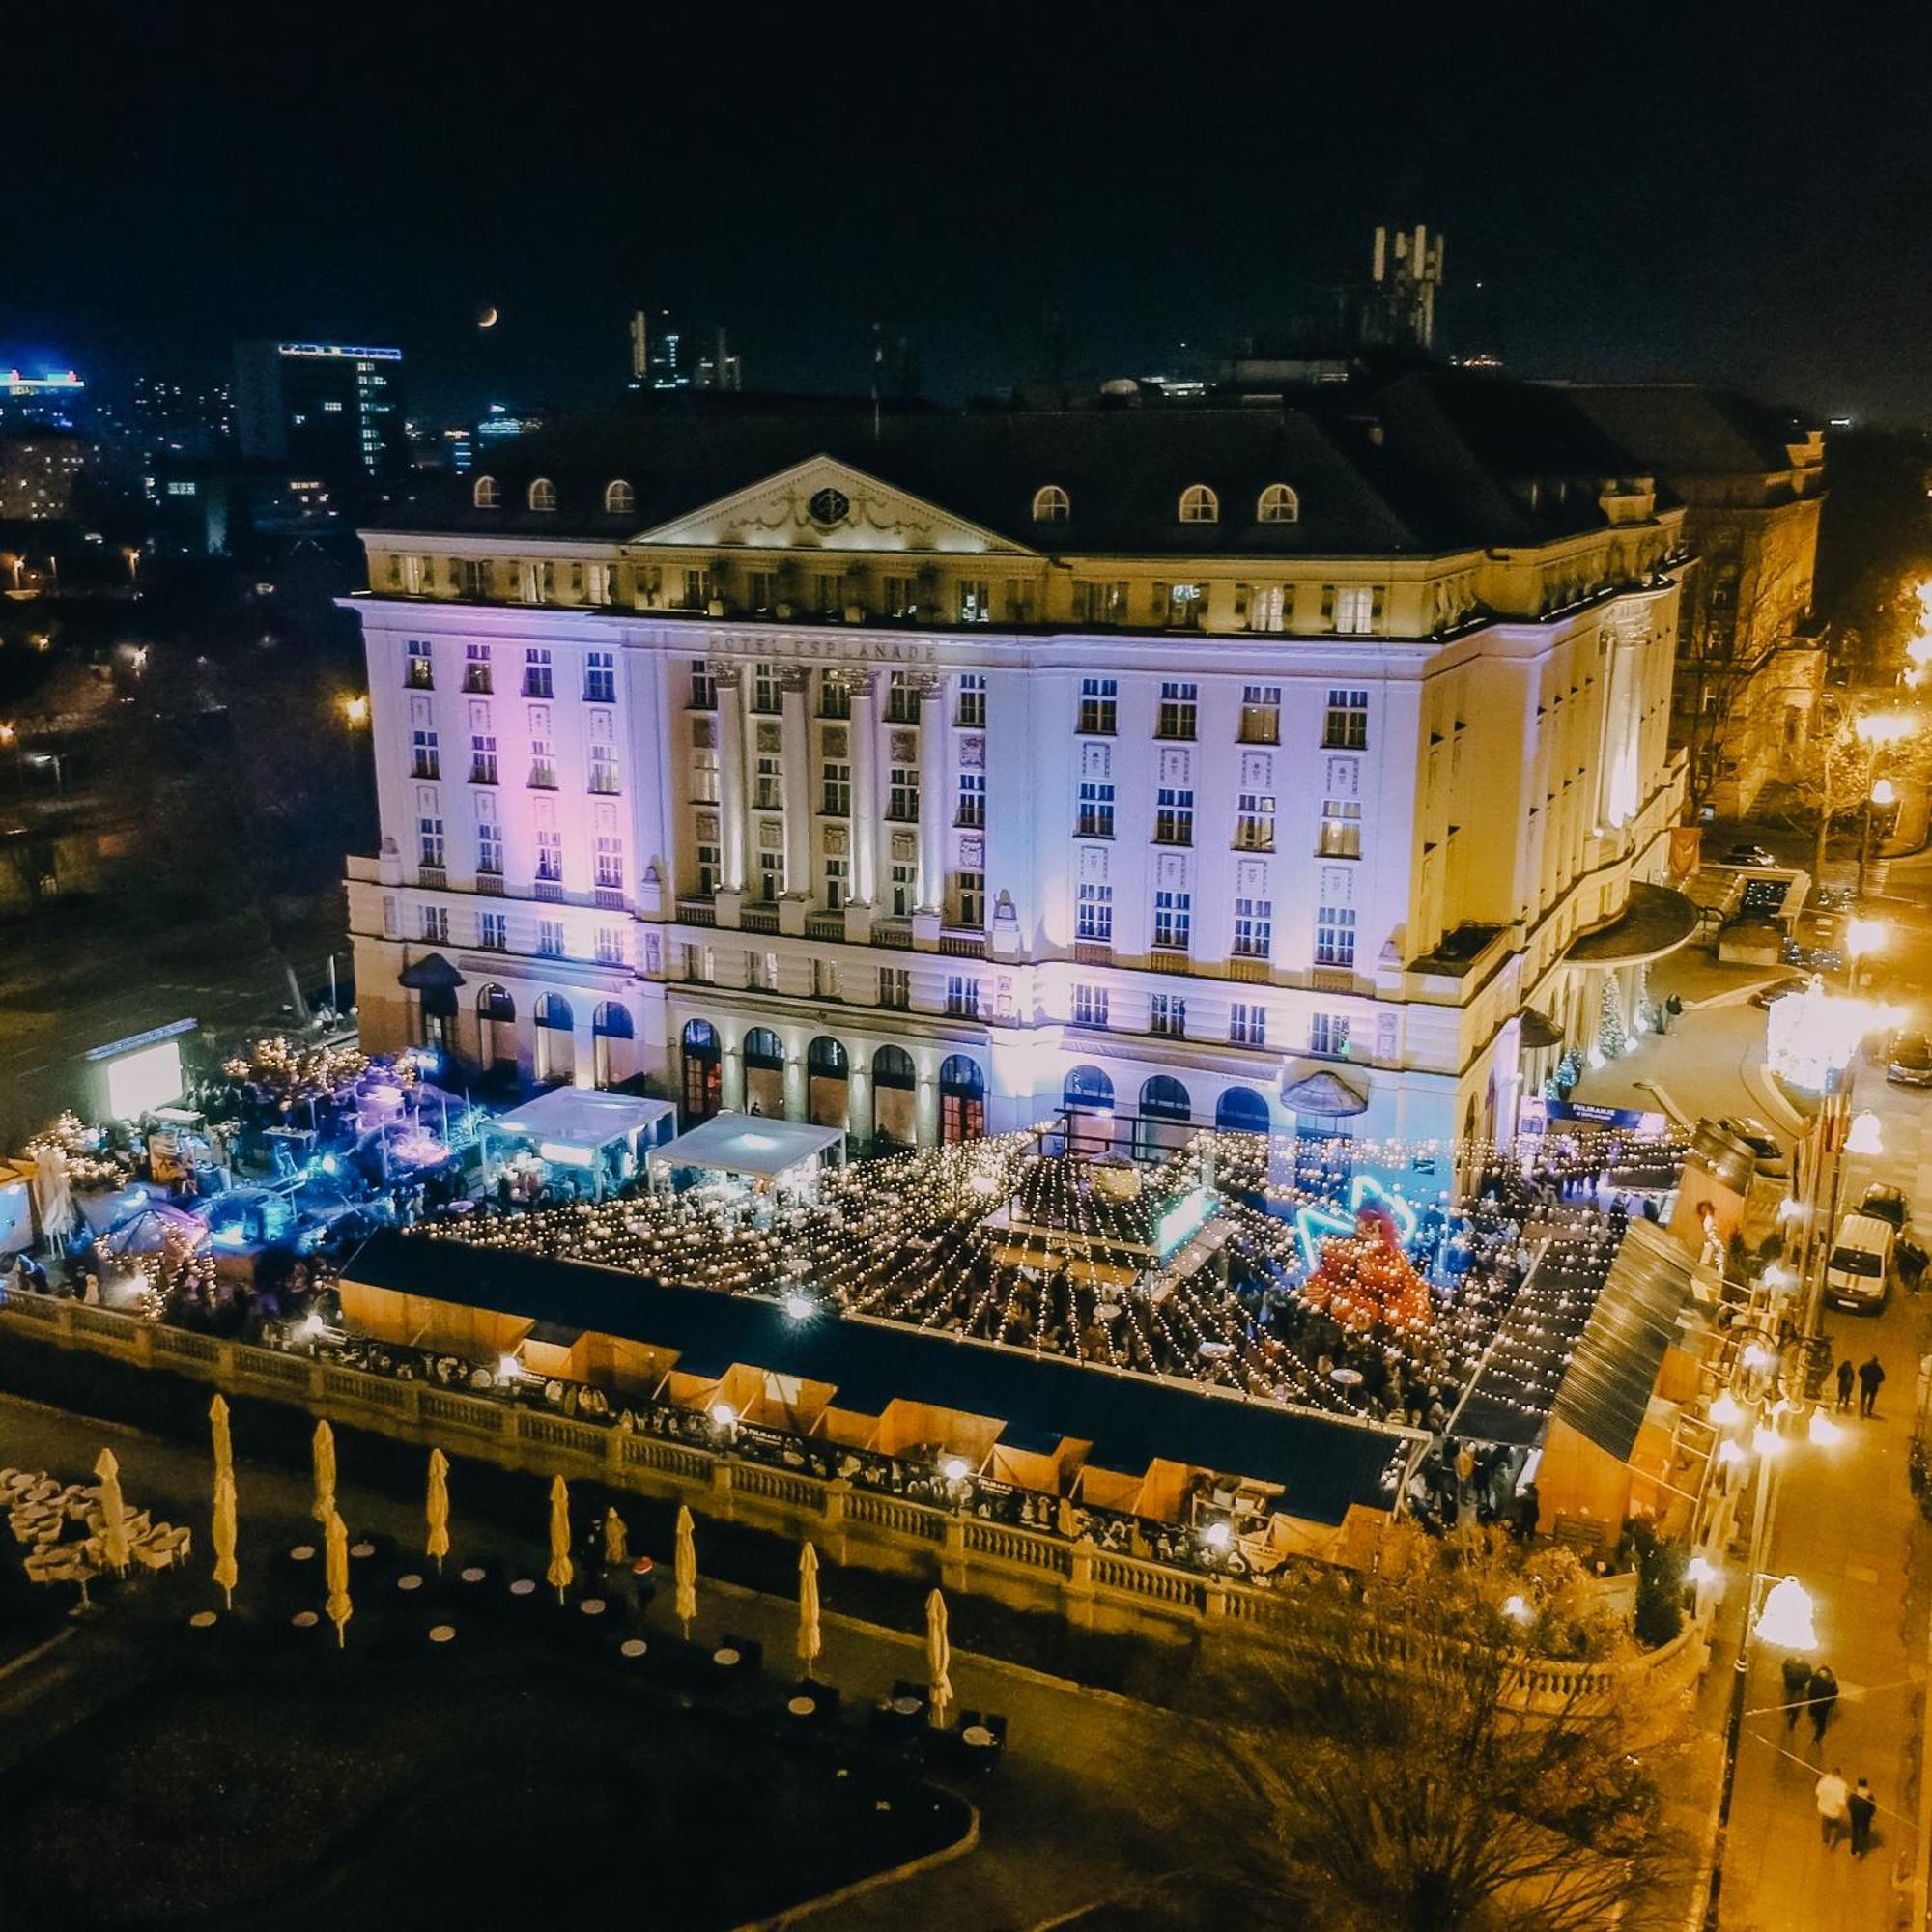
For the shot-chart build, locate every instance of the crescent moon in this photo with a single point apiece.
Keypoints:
(487, 319)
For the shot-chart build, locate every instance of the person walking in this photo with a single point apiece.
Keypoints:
(1820, 1693)
(1844, 1384)
(1871, 1372)
(1833, 1797)
(1796, 1684)
(1860, 1807)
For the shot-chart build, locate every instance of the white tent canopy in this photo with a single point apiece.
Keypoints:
(577, 1127)
(753, 1146)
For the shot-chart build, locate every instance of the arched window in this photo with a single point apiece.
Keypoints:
(556, 1041)
(620, 499)
(826, 1059)
(553, 1011)
(700, 1037)
(496, 1029)
(485, 495)
(1050, 504)
(1166, 1098)
(1087, 1087)
(764, 1048)
(1242, 1110)
(891, 1066)
(1198, 505)
(1279, 504)
(611, 1020)
(962, 1099)
(493, 1003)
(704, 1072)
(543, 493)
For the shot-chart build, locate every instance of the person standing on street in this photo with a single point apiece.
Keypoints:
(1820, 1693)
(1833, 1797)
(1871, 1372)
(1797, 1685)
(1862, 1807)
(1844, 1384)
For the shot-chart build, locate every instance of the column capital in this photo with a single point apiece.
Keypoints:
(727, 673)
(851, 678)
(925, 684)
(795, 678)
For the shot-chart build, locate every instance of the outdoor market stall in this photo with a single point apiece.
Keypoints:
(769, 1156)
(585, 1138)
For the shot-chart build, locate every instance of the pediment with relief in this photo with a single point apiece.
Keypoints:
(827, 505)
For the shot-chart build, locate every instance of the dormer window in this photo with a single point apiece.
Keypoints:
(1198, 505)
(485, 496)
(620, 499)
(543, 493)
(1050, 504)
(1279, 504)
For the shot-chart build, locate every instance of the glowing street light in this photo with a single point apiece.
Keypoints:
(1786, 1619)
(1865, 937)
(1865, 1136)
(1700, 1570)
(355, 710)
(1726, 1410)
(1823, 1431)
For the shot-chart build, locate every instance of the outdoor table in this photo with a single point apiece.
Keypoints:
(906, 1707)
(522, 1587)
(202, 1620)
(362, 1549)
(726, 1658)
(441, 1632)
(1213, 1352)
(592, 1606)
(1346, 1378)
(302, 1552)
(410, 1583)
(304, 1620)
(978, 1736)
(632, 1647)
(474, 1574)
(802, 1706)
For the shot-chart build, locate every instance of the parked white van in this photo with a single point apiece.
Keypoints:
(1858, 1271)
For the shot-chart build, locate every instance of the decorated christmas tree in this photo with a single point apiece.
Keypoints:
(1611, 1033)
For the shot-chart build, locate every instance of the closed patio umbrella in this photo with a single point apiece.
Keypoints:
(809, 1639)
(224, 1442)
(324, 1445)
(336, 1568)
(113, 1512)
(938, 1659)
(225, 1572)
(616, 1540)
(561, 1570)
(438, 1507)
(683, 1571)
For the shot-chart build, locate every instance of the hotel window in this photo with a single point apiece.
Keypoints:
(477, 577)
(1247, 1025)
(971, 897)
(761, 972)
(1335, 936)
(962, 997)
(1279, 504)
(609, 863)
(895, 988)
(972, 806)
(436, 926)
(604, 768)
(1345, 727)
(704, 778)
(602, 580)
(543, 763)
(1017, 600)
(835, 797)
(829, 593)
(1261, 607)
(1167, 1015)
(600, 677)
(611, 946)
(903, 888)
(898, 596)
(1253, 929)
(708, 871)
(696, 594)
(1341, 829)
(971, 711)
(1097, 811)
(1050, 504)
(771, 876)
(825, 984)
(1177, 711)
(762, 589)
(902, 701)
(1180, 606)
(550, 938)
(543, 493)
(425, 760)
(835, 700)
(429, 839)
(493, 931)
(1173, 919)
(537, 682)
(976, 601)
(489, 843)
(902, 794)
(837, 879)
(550, 854)
(1174, 816)
(486, 496)
(703, 688)
(1098, 601)
(1198, 505)
(483, 758)
(476, 669)
(1089, 1006)
(422, 673)
(1253, 822)
(701, 964)
(1094, 912)
(1261, 714)
(547, 593)
(765, 687)
(1353, 610)
(1099, 707)
(768, 785)
(1328, 1033)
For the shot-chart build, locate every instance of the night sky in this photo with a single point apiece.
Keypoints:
(1739, 197)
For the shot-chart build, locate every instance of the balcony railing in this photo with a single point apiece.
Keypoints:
(435, 877)
(1169, 959)
(610, 899)
(963, 945)
(759, 919)
(698, 912)
(1332, 978)
(549, 889)
(491, 883)
(1093, 952)
(1254, 971)
(825, 925)
(893, 932)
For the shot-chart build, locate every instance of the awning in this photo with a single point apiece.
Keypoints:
(432, 973)
(1535, 1031)
(752, 1144)
(1655, 920)
(1324, 1093)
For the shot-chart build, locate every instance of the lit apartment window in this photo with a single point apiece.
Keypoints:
(1174, 816)
(550, 938)
(1167, 1015)
(425, 760)
(962, 997)
(1254, 928)
(704, 778)
(604, 768)
(970, 895)
(1089, 1006)
(1328, 1033)
(476, 668)
(1253, 822)
(1335, 936)
(609, 863)
(1356, 609)
(1261, 714)
(1346, 726)
(436, 926)
(421, 672)
(493, 931)
(1263, 607)
(972, 708)
(1097, 811)
(1341, 829)
(895, 988)
(550, 854)
(1247, 1025)
(1180, 607)
(1094, 912)
(703, 688)
(600, 677)
(1173, 919)
(429, 840)
(971, 807)
(537, 680)
(976, 601)
(1099, 706)
(835, 797)
(483, 758)
(1177, 711)
(838, 882)
(902, 794)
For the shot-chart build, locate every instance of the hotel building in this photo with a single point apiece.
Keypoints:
(1285, 766)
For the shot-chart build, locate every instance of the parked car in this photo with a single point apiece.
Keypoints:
(1885, 1203)
(1766, 997)
(1858, 1269)
(1909, 1064)
(1772, 1158)
(1749, 856)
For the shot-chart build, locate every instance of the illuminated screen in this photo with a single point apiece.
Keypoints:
(139, 1082)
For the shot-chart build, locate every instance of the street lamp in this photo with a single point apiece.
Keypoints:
(1786, 1619)
(1878, 732)
(1864, 1136)
(356, 709)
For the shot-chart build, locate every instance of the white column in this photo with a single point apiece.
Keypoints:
(730, 775)
(865, 743)
(925, 1107)
(932, 800)
(795, 745)
(794, 1081)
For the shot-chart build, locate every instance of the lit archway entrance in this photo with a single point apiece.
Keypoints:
(611, 1023)
(895, 1097)
(704, 1072)
(496, 1033)
(764, 1074)
(1088, 1098)
(827, 1082)
(962, 1099)
(556, 1041)
(1165, 1117)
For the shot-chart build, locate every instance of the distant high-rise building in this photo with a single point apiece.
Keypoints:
(329, 410)
(1399, 312)
(50, 400)
(662, 357)
(721, 369)
(169, 422)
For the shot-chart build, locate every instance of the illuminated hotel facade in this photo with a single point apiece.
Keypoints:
(923, 776)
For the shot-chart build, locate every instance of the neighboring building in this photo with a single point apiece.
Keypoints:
(925, 775)
(1750, 671)
(330, 412)
(664, 357)
(1405, 277)
(42, 472)
(54, 399)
